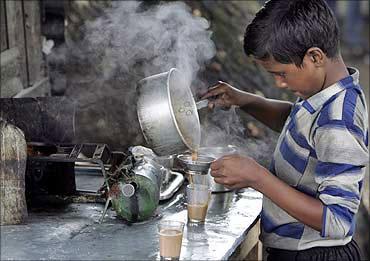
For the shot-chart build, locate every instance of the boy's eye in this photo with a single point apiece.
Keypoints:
(280, 74)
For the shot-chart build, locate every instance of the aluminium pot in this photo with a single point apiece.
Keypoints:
(167, 113)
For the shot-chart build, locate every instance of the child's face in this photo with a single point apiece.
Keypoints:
(303, 81)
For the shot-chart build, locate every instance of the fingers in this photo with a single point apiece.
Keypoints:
(220, 163)
(214, 91)
(224, 181)
(217, 174)
(219, 180)
(217, 168)
(221, 101)
(217, 164)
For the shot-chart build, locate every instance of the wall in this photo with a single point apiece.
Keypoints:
(22, 67)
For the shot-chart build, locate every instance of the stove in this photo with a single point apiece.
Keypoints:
(75, 169)
(57, 163)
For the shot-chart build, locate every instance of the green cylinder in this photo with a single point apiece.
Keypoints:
(144, 199)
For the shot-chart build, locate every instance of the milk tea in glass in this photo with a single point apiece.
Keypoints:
(170, 239)
(197, 198)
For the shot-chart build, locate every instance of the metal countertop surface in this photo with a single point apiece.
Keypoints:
(72, 232)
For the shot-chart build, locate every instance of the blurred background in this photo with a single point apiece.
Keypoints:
(94, 52)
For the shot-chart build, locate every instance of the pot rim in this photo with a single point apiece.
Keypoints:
(138, 86)
(170, 72)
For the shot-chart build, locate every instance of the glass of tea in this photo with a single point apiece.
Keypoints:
(197, 198)
(170, 239)
(197, 178)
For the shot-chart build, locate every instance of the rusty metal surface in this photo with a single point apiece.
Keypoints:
(72, 232)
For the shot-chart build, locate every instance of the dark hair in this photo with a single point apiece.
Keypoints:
(286, 29)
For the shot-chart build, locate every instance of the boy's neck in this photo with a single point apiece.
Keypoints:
(336, 71)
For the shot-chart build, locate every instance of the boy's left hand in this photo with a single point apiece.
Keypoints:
(236, 171)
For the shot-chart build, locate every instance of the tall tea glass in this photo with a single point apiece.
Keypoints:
(197, 198)
(170, 239)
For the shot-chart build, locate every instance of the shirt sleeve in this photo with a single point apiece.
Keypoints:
(342, 156)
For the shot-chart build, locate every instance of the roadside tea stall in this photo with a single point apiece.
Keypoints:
(69, 225)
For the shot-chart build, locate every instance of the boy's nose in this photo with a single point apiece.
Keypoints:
(281, 84)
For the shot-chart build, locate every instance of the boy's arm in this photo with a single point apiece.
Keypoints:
(236, 171)
(339, 172)
(272, 113)
(304, 208)
(342, 154)
(341, 158)
(341, 149)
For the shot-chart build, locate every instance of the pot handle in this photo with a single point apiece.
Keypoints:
(201, 104)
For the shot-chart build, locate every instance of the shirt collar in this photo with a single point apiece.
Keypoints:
(313, 103)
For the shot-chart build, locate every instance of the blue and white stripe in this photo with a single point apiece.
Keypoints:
(322, 151)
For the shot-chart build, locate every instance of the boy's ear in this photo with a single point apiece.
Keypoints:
(316, 56)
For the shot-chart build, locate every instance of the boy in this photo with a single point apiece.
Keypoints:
(313, 187)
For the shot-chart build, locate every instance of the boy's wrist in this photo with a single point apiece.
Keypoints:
(261, 176)
(248, 99)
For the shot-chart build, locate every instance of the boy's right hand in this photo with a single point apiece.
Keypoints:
(224, 95)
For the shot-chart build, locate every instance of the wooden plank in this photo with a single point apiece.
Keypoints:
(250, 248)
(11, 88)
(32, 23)
(3, 30)
(10, 73)
(255, 253)
(9, 64)
(14, 21)
(38, 89)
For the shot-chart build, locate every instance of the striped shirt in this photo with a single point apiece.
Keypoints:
(322, 151)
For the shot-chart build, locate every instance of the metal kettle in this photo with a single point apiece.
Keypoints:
(140, 194)
(135, 196)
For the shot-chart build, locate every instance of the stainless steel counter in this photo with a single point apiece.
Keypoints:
(71, 232)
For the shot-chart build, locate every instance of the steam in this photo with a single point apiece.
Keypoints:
(156, 39)
(221, 128)
(128, 42)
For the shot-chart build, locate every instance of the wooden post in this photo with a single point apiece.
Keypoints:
(33, 41)
(14, 20)
(251, 247)
(3, 30)
(13, 157)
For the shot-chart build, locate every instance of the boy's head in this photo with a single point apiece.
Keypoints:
(295, 33)
(286, 29)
